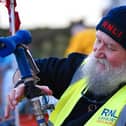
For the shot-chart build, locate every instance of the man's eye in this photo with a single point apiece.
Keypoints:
(98, 41)
(110, 47)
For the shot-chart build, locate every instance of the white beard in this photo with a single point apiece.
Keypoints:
(103, 82)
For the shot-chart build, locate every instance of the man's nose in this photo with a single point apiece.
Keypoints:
(99, 51)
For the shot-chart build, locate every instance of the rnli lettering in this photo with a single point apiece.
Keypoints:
(112, 28)
(108, 112)
(108, 116)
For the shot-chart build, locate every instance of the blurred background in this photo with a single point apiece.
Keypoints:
(58, 27)
(52, 22)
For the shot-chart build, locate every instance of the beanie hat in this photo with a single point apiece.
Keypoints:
(114, 25)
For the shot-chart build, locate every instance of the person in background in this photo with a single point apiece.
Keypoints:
(77, 26)
(82, 42)
(91, 89)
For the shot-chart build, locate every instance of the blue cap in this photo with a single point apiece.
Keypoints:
(114, 25)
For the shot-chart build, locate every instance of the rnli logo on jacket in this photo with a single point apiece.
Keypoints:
(107, 116)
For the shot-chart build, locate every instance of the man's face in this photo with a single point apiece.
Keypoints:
(108, 50)
(106, 65)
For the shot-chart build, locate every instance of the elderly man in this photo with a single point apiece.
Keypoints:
(91, 90)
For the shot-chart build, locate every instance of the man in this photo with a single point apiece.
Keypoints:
(94, 86)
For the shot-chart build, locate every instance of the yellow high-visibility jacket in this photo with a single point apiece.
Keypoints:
(107, 115)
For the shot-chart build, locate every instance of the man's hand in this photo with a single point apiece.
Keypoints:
(17, 94)
(13, 98)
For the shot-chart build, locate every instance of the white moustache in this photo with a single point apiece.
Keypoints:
(104, 62)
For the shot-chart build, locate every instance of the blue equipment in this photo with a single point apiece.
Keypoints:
(17, 44)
